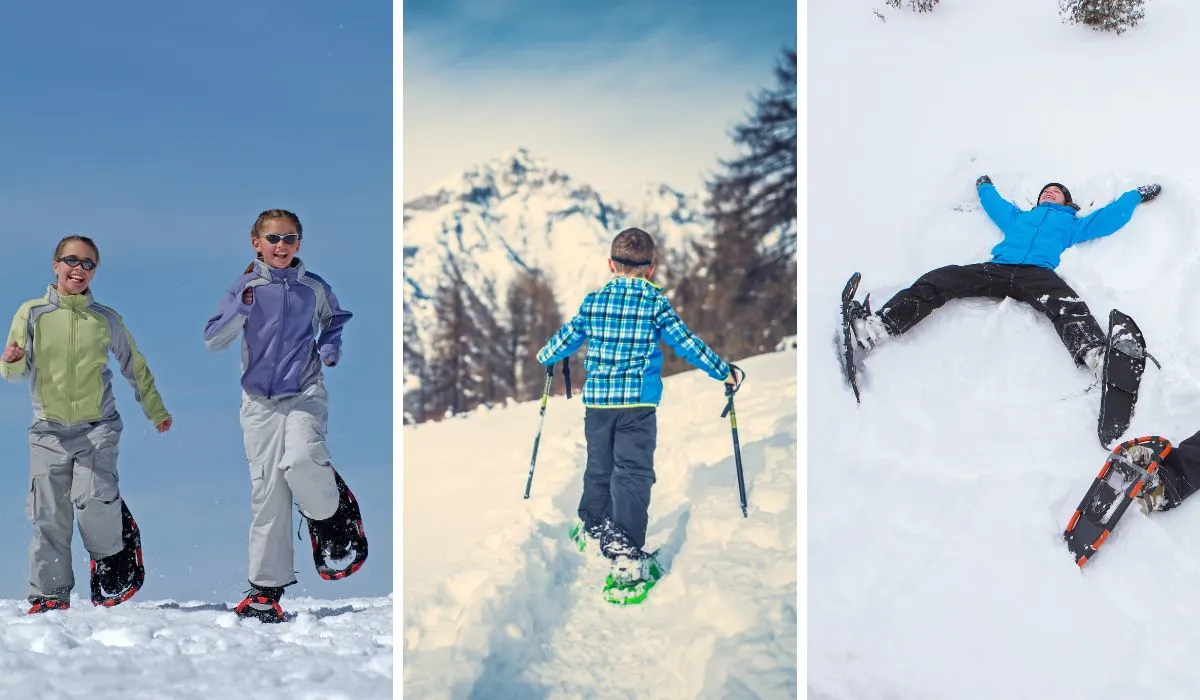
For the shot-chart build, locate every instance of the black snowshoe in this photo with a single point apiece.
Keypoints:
(115, 579)
(339, 542)
(262, 603)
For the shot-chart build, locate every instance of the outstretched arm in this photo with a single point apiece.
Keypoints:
(688, 345)
(999, 210)
(563, 343)
(16, 370)
(1107, 219)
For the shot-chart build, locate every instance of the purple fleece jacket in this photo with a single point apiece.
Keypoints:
(293, 324)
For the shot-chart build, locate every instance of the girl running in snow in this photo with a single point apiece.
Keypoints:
(291, 325)
(61, 341)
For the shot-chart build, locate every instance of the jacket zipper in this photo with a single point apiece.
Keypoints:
(71, 365)
(1038, 230)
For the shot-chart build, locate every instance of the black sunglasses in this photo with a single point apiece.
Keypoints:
(73, 261)
(289, 238)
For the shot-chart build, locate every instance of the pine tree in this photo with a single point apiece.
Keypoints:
(1103, 15)
(740, 295)
(914, 5)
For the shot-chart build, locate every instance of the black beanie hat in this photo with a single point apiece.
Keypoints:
(1059, 185)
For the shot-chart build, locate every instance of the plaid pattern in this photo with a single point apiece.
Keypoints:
(623, 323)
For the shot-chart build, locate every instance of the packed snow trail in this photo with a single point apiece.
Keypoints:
(936, 568)
(143, 650)
(499, 604)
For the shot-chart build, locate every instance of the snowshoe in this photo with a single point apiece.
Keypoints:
(339, 542)
(115, 579)
(1124, 364)
(261, 603)
(582, 534)
(632, 578)
(1119, 483)
(41, 605)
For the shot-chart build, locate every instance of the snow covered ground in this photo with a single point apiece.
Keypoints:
(935, 508)
(498, 603)
(329, 649)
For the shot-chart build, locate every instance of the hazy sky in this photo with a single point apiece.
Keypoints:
(614, 94)
(162, 130)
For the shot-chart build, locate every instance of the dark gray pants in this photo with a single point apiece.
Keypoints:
(71, 469)
(1181, 471)
(620, 468)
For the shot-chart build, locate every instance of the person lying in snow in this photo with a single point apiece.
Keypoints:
(1022, 268)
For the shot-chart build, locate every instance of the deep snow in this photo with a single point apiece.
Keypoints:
(498, 604)
(935, 508)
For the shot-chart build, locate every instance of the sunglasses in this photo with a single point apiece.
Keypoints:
(289, 238)
(73, 261)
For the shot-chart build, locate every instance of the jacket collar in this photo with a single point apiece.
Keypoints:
(625, 280)
(72, 301)
(291, 274)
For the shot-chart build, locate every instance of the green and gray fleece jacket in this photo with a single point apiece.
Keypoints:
(66, 341)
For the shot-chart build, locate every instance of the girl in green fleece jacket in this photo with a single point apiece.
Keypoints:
(61, 342)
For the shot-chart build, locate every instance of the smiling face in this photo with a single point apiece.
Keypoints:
(278, 255)
(73, 279)
(1053, 195)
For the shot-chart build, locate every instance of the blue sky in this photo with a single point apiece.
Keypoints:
(162, 130)
(613, 93)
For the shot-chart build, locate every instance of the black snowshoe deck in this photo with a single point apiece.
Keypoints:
(343, 538)
(1114, 489)
(849, 370)
(126, 567)
(1124, 364)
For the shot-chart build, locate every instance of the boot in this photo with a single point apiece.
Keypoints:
(261, 603)
(869, 330)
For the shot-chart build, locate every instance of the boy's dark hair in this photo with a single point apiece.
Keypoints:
(632, 252)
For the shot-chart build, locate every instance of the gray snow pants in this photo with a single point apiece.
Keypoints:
(620, 469)
(71, 467)
(285, 446)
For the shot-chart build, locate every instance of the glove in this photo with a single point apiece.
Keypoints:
(982, 179)
(1149, 192)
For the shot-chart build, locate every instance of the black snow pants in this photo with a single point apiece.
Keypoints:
(619, 473)
(1181, 471)
(1036, 286)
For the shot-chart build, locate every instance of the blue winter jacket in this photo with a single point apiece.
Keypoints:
(622, 323)
(1040, 235)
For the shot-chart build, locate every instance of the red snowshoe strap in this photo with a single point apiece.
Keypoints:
(260, 600)
(49, 604)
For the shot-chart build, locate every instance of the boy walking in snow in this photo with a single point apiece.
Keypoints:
(1022, 268)
(622, 324)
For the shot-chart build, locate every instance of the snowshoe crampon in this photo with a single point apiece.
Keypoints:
(620, 590)
(115, 579)
(1118, 484)
(41, 605)
(339, 542)
(260, 607)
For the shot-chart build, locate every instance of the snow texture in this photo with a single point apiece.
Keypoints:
(143, 650)
(499, 604)
(936, 568)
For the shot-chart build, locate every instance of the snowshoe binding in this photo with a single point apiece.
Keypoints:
(115, 579)
(339, 542)
(261, 603)
(631, 578)
(41, 605)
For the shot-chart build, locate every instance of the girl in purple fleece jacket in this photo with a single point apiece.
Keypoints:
(291, 325)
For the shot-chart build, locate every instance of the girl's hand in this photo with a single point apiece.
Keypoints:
(12, 353)
(248, 296)
(164, 426)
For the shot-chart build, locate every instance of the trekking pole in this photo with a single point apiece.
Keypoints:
(737, 448)
(542, 416)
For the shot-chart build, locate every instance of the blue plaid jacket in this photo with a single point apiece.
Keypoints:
(623, 322)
